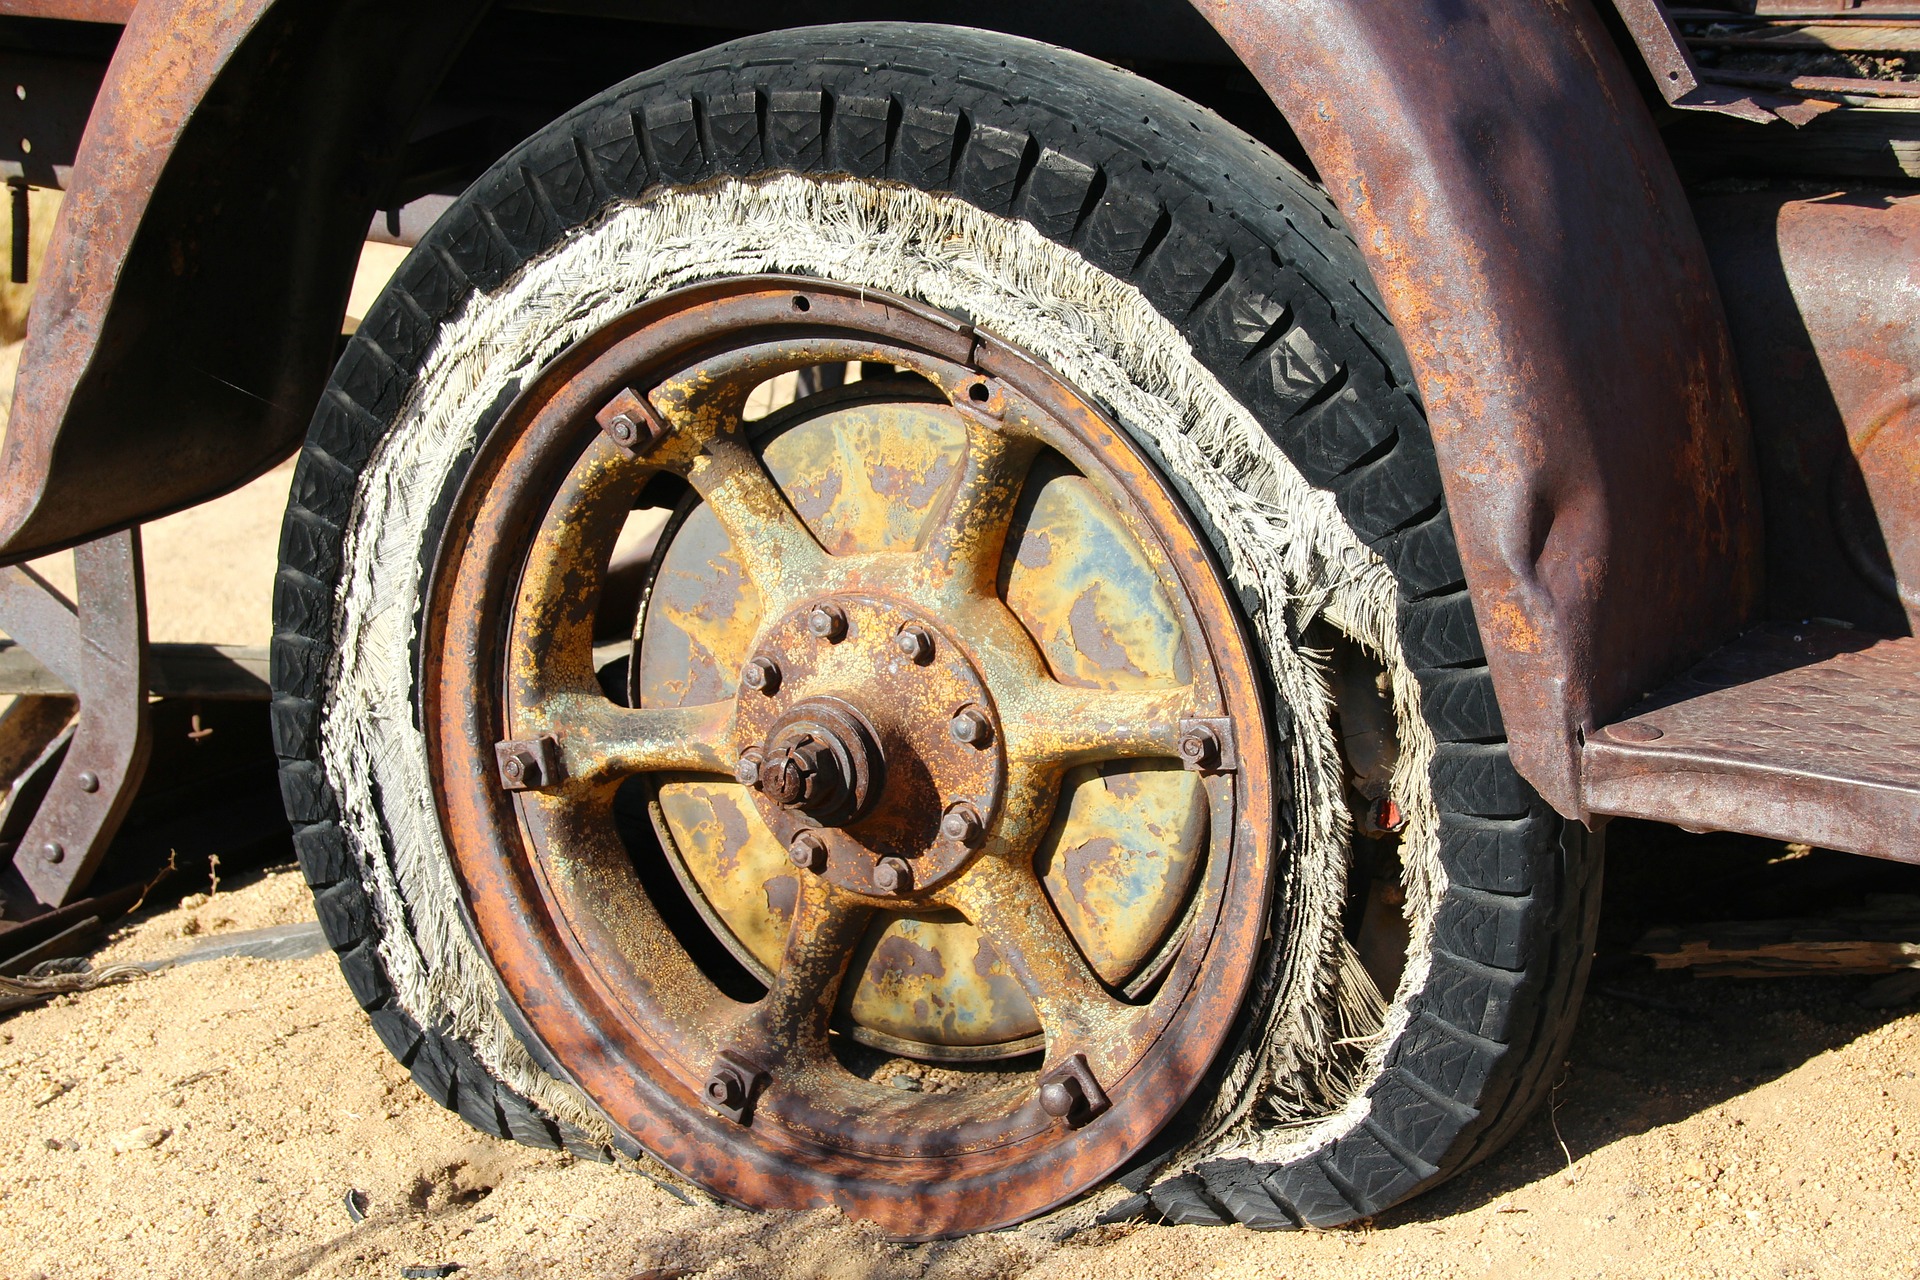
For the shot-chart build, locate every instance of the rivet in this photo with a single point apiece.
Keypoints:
(762, 674)
(916, 642)
(893, 875)
(53, 851)
(971, 726)
(89, 781)
(829, 622)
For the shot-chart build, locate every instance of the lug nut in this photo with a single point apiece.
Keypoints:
(971, 726)
(1061, 1098)
(916, 642)
(829, 622)
(762, 674)
(1200, 747)
(962, 823)
(808, 851)
(746, 770)
(893, 875)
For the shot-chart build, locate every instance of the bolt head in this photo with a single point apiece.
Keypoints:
(746, 770)
(53, 851)
(762, 674)
(725, 1088)
(916, 642)
(808, 852)
(962, 823)
(829, 622)
(1200, 747)
(514, 768)
(893, 875)
(1059, 1098)
(970, 725)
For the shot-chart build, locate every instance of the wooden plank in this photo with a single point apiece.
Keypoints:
(1881, 937)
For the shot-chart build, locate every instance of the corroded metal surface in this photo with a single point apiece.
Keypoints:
(1806, 733)
(1060, 859)
(260, 203)
(1823, 297)
(1534, 249)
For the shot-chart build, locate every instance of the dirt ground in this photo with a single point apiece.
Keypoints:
(213, 1118)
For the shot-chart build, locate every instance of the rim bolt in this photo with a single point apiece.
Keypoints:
(1062, 1097)
(808, 852)
(893, 875)
(829, 622)
(762, 674)
(746, 770)
(916, 642)
(962, 823)
(631, 421)
(1200, 747)
(622, 429)
(971, 726)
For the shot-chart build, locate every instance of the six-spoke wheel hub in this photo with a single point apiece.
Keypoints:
(922, 862)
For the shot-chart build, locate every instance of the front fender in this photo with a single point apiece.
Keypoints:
(1534, 248)
(197, 276)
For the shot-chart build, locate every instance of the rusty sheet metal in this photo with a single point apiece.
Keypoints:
(116, 12)
(1806, 733)
(202, 258)
(1823, 298)
(1534, 249)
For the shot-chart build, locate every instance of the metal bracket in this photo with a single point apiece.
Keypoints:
(98, 647)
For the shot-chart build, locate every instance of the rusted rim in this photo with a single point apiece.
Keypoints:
(896, 726)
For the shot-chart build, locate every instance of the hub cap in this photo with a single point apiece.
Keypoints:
(948, 819)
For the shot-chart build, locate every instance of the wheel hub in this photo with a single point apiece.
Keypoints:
(852, 744)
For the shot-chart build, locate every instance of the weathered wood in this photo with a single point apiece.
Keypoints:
(1881, 937)
(212, 671)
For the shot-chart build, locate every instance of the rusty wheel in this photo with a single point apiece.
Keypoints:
(1063, 748)
(942, 727)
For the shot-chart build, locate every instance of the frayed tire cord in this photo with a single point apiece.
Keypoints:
(1248, 307)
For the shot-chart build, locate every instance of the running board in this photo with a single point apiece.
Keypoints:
(1807, 734)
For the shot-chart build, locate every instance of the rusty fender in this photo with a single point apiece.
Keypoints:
(201, 263)
(1503, 178)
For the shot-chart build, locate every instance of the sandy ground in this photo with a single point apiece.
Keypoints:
(211, 1119)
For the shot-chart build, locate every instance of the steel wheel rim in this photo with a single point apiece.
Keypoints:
(753, 1101)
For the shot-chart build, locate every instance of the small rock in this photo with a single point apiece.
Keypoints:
(194, 900)
(140, 1139)
(429, 1271)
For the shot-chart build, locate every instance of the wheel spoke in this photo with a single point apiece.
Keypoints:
(1053, 724)
(971, 534)
(602, 742)
(792, 1018)
(771, 542)
(1079, 1015)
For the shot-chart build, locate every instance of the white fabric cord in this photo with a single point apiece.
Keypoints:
(1298, 1082)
